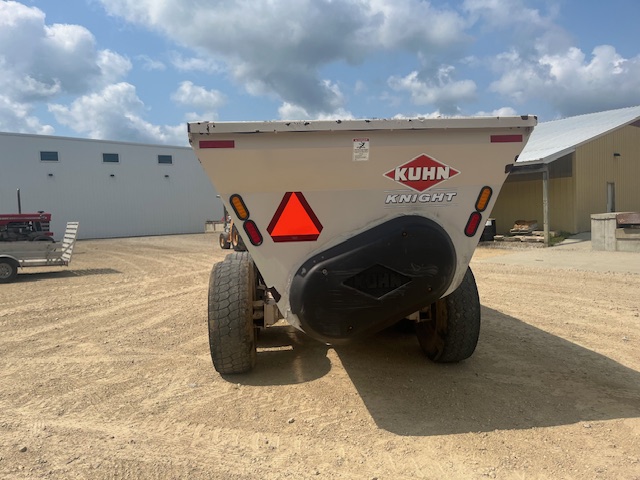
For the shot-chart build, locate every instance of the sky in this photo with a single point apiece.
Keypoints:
(139, 70)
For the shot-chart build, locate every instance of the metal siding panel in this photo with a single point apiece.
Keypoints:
(562, 205)
(518, 200)
(562, 195)
(627, 170)
(572, 203)
(138, 201)
(596, 166)
(521, 198)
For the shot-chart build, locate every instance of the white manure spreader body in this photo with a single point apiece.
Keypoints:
(352, 226)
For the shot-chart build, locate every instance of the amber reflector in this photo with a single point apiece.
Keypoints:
(239, 207)
(483, 199)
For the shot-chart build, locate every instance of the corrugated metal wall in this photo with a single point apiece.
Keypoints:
(135, 197)
(521, 198)
(597, 166)
(578, 185)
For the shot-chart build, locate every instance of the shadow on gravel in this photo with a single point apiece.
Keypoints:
(37, 276)
(520, 377)
(286, 357)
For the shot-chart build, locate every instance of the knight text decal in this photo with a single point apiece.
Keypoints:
(412, 198)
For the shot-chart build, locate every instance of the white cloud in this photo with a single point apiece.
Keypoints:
(415, 26)
(499, 112)
(201, 116)
(113, 66)
(442, 91)
(498, 13)
(338, 114)
(192, 95)
(435, 114)
(544, 66)
(115, 113)
(360, 87)
(151, 64)
(277, 47)
(571, 82)
(528, 27)
(195, 64)
(288, 111)
(41, 61)
(285, 51)
(17, 117)
(28, 88)
(51, 60)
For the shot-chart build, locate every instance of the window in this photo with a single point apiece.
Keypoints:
(110, 158)
(165, 159)
(48, 156)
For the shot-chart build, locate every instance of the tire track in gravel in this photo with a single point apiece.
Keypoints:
(554, 313)
(146, 263)
(89, 313)
(121, 384)
(233, 450)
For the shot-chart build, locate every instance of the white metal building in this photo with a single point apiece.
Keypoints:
(113, 189)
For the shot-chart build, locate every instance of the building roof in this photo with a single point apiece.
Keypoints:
(93, 140)
(552, 140)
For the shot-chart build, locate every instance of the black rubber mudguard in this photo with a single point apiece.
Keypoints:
(373, 279)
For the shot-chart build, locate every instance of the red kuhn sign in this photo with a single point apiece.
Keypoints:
(421, 173)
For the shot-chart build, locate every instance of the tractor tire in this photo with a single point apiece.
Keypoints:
(236, 241)
(8, 270)
(224, 242)
(232, 290)
(451, 332)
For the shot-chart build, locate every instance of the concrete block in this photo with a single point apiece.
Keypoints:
(605, 234)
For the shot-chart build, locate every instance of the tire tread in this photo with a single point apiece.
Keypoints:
(231, 331)
(458, 338)
(13, 273)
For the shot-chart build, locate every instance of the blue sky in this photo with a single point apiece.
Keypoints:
(138, 70)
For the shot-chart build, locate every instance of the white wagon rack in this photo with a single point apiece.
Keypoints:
(14, 255)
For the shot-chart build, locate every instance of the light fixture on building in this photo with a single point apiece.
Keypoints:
(112, 175)
(50, 174)
(616, 154)
(166, 176)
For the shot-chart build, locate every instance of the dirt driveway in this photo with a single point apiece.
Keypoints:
(105, 374)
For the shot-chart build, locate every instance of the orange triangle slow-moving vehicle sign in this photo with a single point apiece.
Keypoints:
(294, 220)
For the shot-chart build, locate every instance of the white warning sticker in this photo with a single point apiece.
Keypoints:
(360, 149)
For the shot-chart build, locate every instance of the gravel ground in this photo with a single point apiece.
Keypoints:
(106, 374)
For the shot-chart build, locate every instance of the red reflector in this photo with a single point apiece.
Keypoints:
(294, 220)
(506, 138)
(255, 237)
(472, 224)
(217, 144)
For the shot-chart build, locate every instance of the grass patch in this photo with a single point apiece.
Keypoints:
(559, 237)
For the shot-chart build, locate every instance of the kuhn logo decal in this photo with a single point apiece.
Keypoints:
(421, 173)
